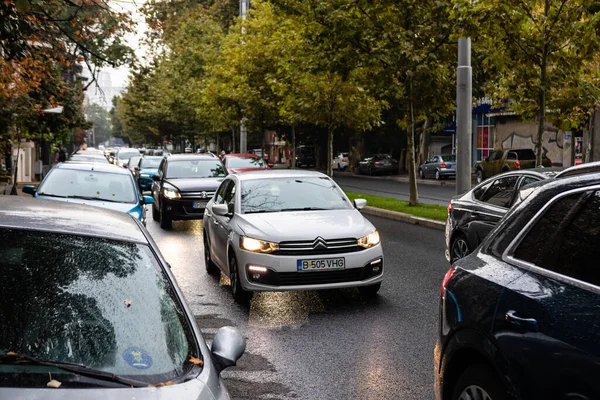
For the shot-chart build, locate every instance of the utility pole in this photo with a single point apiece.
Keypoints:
(244, 6)
(464, 116)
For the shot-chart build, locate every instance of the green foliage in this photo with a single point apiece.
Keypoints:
(430, 211)
(100, 119)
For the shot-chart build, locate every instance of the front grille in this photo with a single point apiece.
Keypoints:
(318, 246)
(197, 195)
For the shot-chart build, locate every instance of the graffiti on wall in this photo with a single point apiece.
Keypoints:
(552, 143)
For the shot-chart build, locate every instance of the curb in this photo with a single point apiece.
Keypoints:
(407, 218)
(449, 183)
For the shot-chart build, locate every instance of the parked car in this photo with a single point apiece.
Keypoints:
(236, 163)
(105, 186)
(111, 155)
(305, 156)
(340, 161)
(247, 235)
(378, 164)
(473, 215)
(123, 155)
(91, 310)
(183, 186)
(259, 153)
(147, 167)
(507, 160)
(439, 167)
(519, 318)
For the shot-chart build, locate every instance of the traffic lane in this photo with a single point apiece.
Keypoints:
(326, 344)
(428, 194)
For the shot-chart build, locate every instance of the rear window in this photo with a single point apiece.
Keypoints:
(101, 303)
(249, 162)
(449, 157)
(524, 154)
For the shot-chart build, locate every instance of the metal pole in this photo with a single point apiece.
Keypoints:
(244, 5)
(464, 116)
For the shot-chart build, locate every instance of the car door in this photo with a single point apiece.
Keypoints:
(157, 185)
(222, 226)
(548, 320)
(212, 222)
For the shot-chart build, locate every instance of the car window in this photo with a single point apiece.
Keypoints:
(150, 162)
(431, 159)
(126, 155)
(250, 162)
(497, 156)
(195, 169)
(220, 193)
(229, 198)
(566, 239)
(97, 302)
(161, 168)
(478, 192)
(529, 179)
(511, 155)
(449, 157)
(500, 192)
(114, 187)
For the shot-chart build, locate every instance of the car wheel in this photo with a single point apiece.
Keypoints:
(368, 292)
(478, 382)
(371, 172)
(421, 174)
(339, 167)
(437, 175)
(240, 295)
(479, 176)
(155, 213)
(165, 222)
(460, 248)
(211, 267)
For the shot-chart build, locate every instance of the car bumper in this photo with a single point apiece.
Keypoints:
(447, 172)
(182, 209)
(283, 275)
(448, 235)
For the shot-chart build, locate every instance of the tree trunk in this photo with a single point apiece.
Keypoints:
(218, 140)
(330, 130)
(293, 158)
(410, 153)
(542, 110)
(233, 139)
(424, 145)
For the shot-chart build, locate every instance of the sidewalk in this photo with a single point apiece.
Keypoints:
(404, 178)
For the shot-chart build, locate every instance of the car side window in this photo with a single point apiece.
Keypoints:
(220, 194)
(528, 179)
(566, 239)
(501, 192)
(161, 168)
(497, 155)
(478, 193)
(229, 198)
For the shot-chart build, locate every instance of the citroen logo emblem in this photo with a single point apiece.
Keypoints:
(319, 243)
(203, 194)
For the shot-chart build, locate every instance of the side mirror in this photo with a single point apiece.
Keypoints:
(156, 178)
(359, 204)
(29, 189)
(220, 209)
(148, 200)
(227, 347)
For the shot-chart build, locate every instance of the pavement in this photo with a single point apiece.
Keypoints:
(327, 344)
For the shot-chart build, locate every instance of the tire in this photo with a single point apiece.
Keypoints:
(166, 223)
(479, 382)
(479, 176)
(339, 167)
(437, 175)
(459, 248)
(421, 174)
(240, 295)
(155, 213)
(211, 267)
(371, 172)
(368, 292)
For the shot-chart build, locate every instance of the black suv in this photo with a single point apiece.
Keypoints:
(520, 316)
(183, 186)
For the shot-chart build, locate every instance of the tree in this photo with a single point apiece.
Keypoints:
(99, 118)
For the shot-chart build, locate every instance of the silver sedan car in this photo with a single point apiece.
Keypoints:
(286, 230)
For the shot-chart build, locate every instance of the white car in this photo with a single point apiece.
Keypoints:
(282, 230)
(340, 162)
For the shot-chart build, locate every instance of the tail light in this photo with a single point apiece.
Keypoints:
(443, 165)
(378, 163)
(518, 164)
(447, 278)
(449, 207)
(344, 160)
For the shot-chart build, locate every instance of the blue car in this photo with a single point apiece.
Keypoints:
(147, 167)
(98, 185)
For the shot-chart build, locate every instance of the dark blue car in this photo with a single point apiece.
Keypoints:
(147, 167)
(98, 185)
(520, 316)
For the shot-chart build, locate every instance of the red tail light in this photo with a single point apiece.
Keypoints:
(449, 207)
(447, 278)
(518, 164)
(378, 163)
(443, 165)
(344, 160)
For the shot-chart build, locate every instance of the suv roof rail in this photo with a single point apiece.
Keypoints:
(580, 169)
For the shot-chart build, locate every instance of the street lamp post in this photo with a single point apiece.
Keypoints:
(464, 115)
(244, 6)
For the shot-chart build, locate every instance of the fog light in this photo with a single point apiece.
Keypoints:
(256, 277)
(376, 269)
(169, 208)
(256, 268)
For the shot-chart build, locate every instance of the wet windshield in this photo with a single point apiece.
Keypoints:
(62, 182)
(100, 303)
(150, 162)
(235, 162)
(195, 169)
(291, 194)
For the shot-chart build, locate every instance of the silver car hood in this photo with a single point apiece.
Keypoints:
(305, 225)
(191, 390)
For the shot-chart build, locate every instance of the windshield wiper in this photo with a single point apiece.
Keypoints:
(52, 195)
(92, 198)
(78, 369)
(304, 209)
(260, 211)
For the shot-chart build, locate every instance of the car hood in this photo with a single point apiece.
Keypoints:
(239, 170)
(191, 390)
(307, 225)
(123, 207)
(195, 184)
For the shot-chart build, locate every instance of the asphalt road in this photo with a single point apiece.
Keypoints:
(428, 193)
(325, 345)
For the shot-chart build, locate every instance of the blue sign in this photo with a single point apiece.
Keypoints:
(137, 358)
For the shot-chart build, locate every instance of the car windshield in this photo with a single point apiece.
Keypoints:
(292, 194)
(101, 303)
(237, 162)
(63, 182)
(126, 155)
(150, 162)
(195, 169)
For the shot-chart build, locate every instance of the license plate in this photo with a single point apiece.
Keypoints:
(326, 264)
(199, 204)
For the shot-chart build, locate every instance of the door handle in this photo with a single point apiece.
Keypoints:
(216, 222)
(530, 324)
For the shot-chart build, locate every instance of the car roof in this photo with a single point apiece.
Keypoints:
(580, 169)
(242, 155)
(191, 156)
(278, 173)
(70, 218)
(85, 166)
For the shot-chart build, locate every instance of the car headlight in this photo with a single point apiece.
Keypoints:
(171, 193)
(258, 246)
(372, 239)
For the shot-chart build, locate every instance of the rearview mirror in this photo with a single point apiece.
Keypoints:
(227, 347)
(220, 209)
(148, 200)
(359, 204)
(29, 189)
(156, 178)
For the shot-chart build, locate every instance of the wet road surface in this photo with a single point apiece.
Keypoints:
(330, 344)
(428, 194)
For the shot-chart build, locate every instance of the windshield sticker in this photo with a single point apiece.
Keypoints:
(137, 358)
